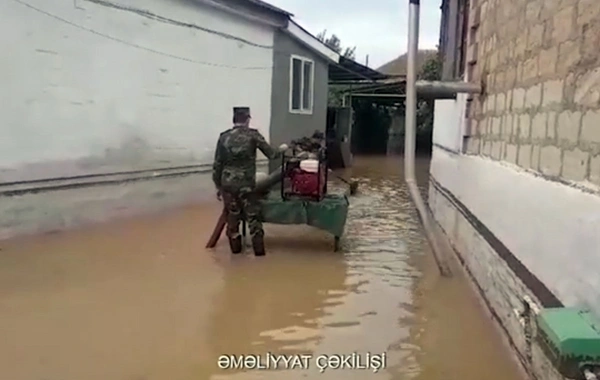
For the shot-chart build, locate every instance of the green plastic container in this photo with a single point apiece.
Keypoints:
(570, 337)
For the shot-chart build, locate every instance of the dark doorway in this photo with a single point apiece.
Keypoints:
(371, 124)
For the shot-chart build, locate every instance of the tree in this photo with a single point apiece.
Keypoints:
(430, 71)
(335, 44)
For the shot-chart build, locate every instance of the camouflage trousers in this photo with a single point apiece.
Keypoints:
(240, 205)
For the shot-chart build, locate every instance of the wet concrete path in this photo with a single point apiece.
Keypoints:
(142, 299)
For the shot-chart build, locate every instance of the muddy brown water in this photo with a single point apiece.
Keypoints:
(141, 299)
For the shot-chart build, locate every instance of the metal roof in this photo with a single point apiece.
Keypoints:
(386, 92)
(348, 71)
(389, 86)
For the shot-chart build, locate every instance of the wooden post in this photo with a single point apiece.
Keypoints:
(263, 186)
(244, 240)
(221, 223)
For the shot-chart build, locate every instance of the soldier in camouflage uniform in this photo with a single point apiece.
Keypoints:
(234, 175)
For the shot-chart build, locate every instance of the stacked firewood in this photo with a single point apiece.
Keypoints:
(309, 147)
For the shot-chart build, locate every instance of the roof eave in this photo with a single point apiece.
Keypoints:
(311, 42)
(269, 17)
(269, 7)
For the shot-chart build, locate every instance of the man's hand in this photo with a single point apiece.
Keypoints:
(219, 196)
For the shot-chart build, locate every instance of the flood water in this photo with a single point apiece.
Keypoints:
(141, 299)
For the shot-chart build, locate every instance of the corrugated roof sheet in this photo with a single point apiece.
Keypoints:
(349, 71)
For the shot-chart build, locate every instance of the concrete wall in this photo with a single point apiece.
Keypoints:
(77, 207)
(86, 202)
(286, 125)
(96, 87)
(494, 274)
(88, 87)
(522, 207)
(449, 123)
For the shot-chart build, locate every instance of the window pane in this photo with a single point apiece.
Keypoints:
(296, 83)
(307, 93)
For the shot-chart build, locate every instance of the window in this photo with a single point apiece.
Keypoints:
(454, 33)
(462, 33)
(302, 71)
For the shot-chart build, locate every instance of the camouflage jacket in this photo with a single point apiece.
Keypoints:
(234, 167)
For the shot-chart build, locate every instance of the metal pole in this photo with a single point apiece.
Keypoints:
(410, 137)
(439, 89)
(359, 95)
(411, 91)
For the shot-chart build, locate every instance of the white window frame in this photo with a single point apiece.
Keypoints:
(304, 60)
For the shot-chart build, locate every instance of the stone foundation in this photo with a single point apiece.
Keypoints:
(498, 284)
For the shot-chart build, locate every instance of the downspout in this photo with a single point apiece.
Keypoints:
(410, 138)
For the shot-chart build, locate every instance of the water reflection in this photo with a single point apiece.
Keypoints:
(307, 299)
(142, 300)
(383, 240)
(275, 305)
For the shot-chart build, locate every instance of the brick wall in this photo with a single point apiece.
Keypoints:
(540, 65)
(539, 62)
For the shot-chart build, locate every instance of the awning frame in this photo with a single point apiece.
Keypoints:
(349, 72)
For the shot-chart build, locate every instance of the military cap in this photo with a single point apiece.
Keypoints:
(242, 112)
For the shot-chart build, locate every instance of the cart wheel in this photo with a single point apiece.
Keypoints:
(336, 244)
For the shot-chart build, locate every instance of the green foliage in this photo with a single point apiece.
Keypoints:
(335, 44)
(431, 71)
(335, 97)
(373, 121)
(378, 117)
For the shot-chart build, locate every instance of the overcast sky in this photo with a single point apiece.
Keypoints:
(377, 27)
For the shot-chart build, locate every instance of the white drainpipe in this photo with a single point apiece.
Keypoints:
(410, 137)
(435, 90)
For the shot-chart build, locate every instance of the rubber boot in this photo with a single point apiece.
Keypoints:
(235, 244)
(258, 244)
